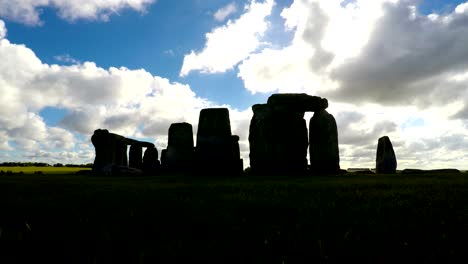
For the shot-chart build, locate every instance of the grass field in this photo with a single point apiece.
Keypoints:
(44, 170)
(334, 219)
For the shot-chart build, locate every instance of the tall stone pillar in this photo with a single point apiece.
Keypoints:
(386, 159)
(214, 150)
(323, 147)
(179, 155)
(136, 156)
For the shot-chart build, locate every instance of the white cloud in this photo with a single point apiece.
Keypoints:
(382, 65)
(325, 35)
(225, 12)
(128, 102)
(28, 11)
(227, 45)
(3, 30)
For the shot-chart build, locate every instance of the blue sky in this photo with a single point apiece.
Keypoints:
(388, 67)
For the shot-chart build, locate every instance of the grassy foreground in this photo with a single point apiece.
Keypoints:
(368, 218)
(44, 170)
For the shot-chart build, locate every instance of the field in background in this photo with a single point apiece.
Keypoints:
(44, 170)
(367, 218)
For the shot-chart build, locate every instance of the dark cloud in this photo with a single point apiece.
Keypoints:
(83, 122)
(314, 33)
(407, 58)
(462, 114)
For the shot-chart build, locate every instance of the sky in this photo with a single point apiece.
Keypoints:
(387, 67)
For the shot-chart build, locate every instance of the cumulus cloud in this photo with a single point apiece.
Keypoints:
(130, 102)
(382, 65)
(227, 45)
(28, 11)
(221, 14)
(123, 100)
(366, 51)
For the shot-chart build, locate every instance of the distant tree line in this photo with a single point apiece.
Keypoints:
(43, 164)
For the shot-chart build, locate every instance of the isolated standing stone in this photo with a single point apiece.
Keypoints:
(136, 157)
(323, 143)
(385, 161)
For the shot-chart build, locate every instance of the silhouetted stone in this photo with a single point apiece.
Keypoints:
(150, 160)
(179, 155)
(278, 133)
(216, 150)
(323, 147)
(111, 149)
(136, 157)
(291, 136)
(261, 140)
(103, 149)
(164, 159)
(386, 160)
(298, 103)
(278, 140)
(213, 122)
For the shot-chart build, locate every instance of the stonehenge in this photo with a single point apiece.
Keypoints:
(279, 140)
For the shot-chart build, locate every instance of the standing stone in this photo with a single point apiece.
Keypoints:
(104, 149)
(261, 138)
(290, 138)
(214, 151)
(150, 160)
(111, 153)
(111, 149)
(179, 155)
(386, 160)
(278, 139)
(164, 159)
(135, 157)
(323, 148)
